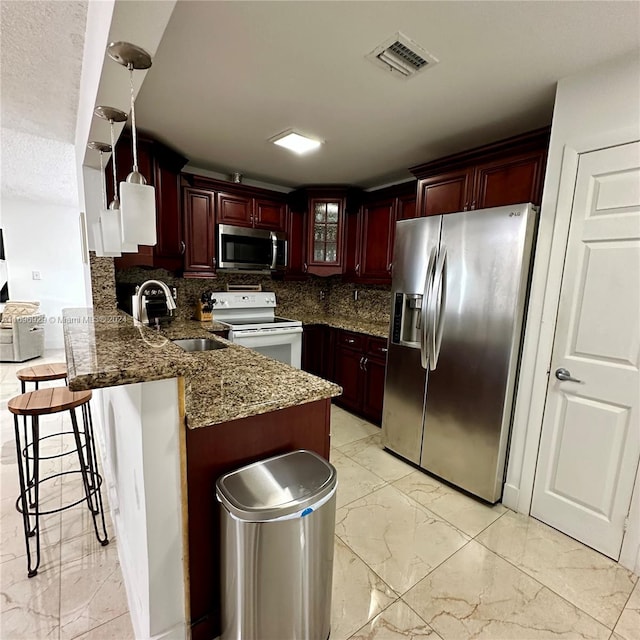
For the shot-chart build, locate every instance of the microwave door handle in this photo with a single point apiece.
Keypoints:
(274, 249)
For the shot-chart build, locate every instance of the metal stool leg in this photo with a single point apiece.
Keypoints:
(93, 464)
(32, 569)
(87, 469)
(92, 472)
(25, 452)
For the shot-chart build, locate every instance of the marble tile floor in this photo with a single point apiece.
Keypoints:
(413, 559)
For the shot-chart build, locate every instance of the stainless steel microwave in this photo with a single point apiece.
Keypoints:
(251, 249)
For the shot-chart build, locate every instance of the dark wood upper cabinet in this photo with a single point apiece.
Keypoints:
(199, 231)
(506, 172)
(243, 205)
(370, 235)
(296, 246)
(247, 211)
(510, 181)
(326, 235)
(235, 209)
(169, 251)
(378, 219)
(406, 206)
(269, 214)
(161, 168)
(444, 193)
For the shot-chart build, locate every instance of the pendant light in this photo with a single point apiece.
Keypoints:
(137, 198)
(96, 227)
(110, 218)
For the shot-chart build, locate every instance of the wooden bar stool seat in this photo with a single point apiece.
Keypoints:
(35, 404)
(42, 372)
(47, 401)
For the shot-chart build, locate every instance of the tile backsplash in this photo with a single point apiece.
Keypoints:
(315, 296)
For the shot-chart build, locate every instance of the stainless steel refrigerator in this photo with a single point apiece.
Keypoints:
(459, 291)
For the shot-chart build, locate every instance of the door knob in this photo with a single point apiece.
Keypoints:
(565, 376)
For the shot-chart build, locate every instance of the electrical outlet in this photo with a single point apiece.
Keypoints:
(35, 275)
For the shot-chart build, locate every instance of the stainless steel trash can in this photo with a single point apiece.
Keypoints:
(278, 522)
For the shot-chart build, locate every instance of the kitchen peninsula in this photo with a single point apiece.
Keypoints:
(174, 421)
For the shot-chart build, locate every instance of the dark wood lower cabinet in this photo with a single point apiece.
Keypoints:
(348, 374)
(360, 363)
(213, 451)
(373, 389)
(318, 345)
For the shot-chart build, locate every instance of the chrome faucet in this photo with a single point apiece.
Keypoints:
(171, 303)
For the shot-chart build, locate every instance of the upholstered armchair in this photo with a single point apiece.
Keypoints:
(21, 332)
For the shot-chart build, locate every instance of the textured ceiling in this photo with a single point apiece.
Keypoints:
(40, 66)
(41, 61)
(228, 76)
(38, 168)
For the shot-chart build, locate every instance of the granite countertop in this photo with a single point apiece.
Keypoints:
(358, 325)
(108, 349)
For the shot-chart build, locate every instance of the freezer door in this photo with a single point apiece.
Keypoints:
(403, 411)
(416, 243)
(470, 390)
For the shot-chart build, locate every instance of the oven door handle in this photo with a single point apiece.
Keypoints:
(274, 249)
(267, 332)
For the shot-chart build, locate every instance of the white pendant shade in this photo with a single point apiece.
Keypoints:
(96, 228)
(111, 233)
(138, 213)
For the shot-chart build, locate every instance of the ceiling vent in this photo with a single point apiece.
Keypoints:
(402, 56)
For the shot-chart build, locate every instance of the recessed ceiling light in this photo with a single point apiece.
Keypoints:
(296, 142)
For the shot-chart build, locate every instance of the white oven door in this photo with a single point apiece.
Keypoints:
(284, 345)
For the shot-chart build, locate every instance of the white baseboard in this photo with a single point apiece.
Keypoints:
(179, 632)
(510, 496)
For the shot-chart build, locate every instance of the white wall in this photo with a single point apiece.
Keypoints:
(140, 447)
(44, 236)
(594, 109)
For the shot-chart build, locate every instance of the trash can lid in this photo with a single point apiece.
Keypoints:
(276, 487)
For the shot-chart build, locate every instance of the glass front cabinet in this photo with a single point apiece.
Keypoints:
(326, 234)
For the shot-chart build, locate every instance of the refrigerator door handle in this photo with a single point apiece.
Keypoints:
(439, 295)
(423, 319)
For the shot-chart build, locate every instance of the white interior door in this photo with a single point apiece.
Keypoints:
(590, 444)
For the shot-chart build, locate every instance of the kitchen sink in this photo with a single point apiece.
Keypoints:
(199, 344)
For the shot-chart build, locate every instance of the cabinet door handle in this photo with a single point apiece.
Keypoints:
(473, 205)
(213, 261)
(384, 349)
(350, 340)
(364, 363)
(466, 206)
(358, 269)
(390, 267)
(183, 247)
(305, 267)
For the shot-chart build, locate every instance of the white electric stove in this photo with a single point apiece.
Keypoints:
(252, 322)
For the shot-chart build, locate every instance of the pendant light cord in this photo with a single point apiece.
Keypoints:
(113, 164)
(133, 121)
(104, 183)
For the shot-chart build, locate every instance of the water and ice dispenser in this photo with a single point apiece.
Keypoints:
(407, 319)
